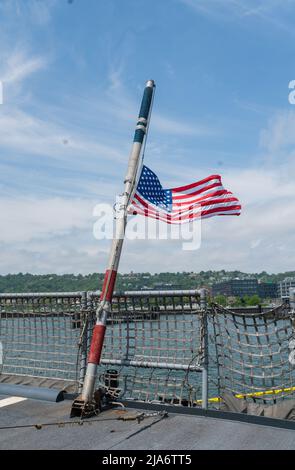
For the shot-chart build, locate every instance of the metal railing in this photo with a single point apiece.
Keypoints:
(254, 353)
(164, 346)
(39, 334)
(154, 342)
(152, 345)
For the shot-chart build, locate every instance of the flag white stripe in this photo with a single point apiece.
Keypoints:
(198, 188)
(207, 200)
(179, 196)
(202, 199)
(164, 218)
(182, 212)
(180, 208)
(187, 203)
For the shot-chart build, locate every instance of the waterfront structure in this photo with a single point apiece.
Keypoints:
(236, 288)
(284, 286)
(242, 287)
(268, 290)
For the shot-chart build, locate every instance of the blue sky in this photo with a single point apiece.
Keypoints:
(73, 73)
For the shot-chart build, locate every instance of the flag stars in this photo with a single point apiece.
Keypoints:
(151, 189)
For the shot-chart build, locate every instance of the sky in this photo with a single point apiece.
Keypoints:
(72, 75)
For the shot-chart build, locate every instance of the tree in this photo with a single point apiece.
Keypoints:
(253, 300)
(221, 300)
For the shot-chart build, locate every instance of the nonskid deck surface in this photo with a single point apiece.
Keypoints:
(107, 432)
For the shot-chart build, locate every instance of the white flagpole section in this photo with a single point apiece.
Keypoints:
(85, 403)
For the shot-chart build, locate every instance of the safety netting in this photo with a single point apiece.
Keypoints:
(153, 348)
(253, 354)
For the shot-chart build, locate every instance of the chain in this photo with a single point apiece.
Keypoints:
(60, 424)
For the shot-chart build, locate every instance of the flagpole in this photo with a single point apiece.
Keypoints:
(85, 403)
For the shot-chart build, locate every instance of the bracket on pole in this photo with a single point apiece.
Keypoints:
(84, 409)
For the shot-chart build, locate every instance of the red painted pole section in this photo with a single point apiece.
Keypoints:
(99, 329)
(96, 344)
(108, 285)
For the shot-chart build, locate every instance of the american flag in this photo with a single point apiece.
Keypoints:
(202, 199)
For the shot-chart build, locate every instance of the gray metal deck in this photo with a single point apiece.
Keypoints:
(177, 431)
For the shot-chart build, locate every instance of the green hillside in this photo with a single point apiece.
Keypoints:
(70, 282)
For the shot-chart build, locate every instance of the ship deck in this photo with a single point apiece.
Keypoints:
(179, 430)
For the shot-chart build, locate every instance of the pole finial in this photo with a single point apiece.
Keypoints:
(150, 83)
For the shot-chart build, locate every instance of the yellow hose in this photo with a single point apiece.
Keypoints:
(252, 395)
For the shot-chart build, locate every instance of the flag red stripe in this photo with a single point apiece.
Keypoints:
(204, 198)
(200, 200)
(198, 183)
(149, 210)
(232, 210)
(200, 191)
(207, 202)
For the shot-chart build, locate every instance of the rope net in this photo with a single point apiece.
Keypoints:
(253, 354)
(152, 343)
(152, 348)
(39, 336)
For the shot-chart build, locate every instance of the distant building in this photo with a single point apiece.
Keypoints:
(268, 290)
(236, 288)
(242, 287)
(284, 286)
(166, 286)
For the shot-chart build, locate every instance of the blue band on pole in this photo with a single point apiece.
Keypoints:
(144, 113)
(139, 136)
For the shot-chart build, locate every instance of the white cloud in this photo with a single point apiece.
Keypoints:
(273, 12)
(235, 7)
(54, 234)
(280, 133)
(262, 238)
(41, 12)
(60, 255)
(31, 135)
(121, 106)
(18, 66)
(24, 220)
(164, 124)
(49, 235)
(38, 12)
(115, 79)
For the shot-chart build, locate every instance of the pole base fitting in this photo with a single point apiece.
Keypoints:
(87, 409)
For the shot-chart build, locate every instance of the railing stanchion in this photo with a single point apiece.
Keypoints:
(83, 340)
(204, 339)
